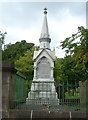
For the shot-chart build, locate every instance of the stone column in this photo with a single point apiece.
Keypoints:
(7, 87)
(35, 72)
(84, 96)
(0, 90)
(51, 72)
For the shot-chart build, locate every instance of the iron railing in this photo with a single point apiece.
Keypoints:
(68, 98)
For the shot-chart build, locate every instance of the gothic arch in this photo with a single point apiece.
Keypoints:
(43, 68)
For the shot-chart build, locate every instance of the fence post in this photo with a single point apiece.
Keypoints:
(84, 96)
(7, 87)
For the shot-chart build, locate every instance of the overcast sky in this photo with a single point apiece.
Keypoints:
(23, 21)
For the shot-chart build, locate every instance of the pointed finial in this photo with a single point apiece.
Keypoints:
(45, 10)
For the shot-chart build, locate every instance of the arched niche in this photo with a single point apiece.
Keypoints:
(43, 68)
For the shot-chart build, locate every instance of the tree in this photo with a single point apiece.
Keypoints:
(21, 54)
(2, 37)
(12, 52)
(76, 47)
(58, 69)
(25, 65)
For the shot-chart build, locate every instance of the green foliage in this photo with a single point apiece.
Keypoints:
(58, 72)
(21, 54)
(70, 96)
(77, 48)
(2, 37)
(14, 51)
(64, 70)
(76, 59)
(25, 64)
(69, 69)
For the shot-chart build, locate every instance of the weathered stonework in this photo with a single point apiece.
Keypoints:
(7, 71)
(84, 96)
(42, 89)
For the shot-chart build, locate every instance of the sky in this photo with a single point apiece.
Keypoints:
(23, 21)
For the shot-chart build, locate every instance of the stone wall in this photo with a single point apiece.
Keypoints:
(46, 115)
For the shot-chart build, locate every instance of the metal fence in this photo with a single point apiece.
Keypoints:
(68, 98)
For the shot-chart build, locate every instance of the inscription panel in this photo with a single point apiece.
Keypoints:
(43, 68)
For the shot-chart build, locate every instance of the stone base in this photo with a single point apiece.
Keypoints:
(42, 92)
(42, 101)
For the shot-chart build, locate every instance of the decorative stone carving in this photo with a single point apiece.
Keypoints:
(42, 89)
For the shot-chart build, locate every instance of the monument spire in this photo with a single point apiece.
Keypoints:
(45, 31)
(44, 36)
(43, 92)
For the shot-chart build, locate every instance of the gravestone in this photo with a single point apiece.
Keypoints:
(43, 89)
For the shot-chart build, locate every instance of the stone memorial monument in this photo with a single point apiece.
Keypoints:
(42, 89)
